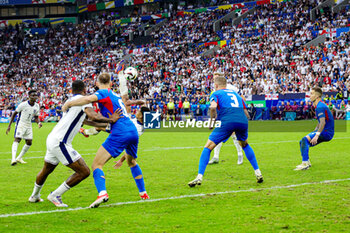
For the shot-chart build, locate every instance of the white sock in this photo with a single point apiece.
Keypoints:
(103, 192)
(37, 189)
(238, 147)
(257, 172)
(61, 189)
(14, 150)
(24, 150)
(91, 131)
(123, 87)
(217, 151)
(199, 176)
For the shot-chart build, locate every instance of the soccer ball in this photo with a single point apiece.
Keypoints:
(130, 73)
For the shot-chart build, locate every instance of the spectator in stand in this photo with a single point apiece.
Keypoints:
(339, 95)
(288, 107)
(273, 113)
(311, 110)
(186, 106)
(340, 110)
(193, 106)
(300, 111)
(180, 106)
(198, 111)
(326, 98)
(295, 107)
(171, 109)
(252, 111)
(281, 109)
(42, 114)
(331, 107)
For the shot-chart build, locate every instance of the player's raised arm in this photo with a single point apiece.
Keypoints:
(11, 120)
(79, 102)
(94, 116)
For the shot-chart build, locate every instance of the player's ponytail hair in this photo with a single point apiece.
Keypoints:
(104, 78)
(318, 90)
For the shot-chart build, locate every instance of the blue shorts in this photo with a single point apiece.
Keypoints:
(115, 144)
(324, 137)
(223, 133)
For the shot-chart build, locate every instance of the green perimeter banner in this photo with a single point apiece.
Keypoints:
(257, 103)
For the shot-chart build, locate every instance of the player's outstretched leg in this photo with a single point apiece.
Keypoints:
(215, 158)
(82, 171)
(102, 156)
(249, 153)
(14, 150)
(40, 180)
(137, 175)
(203, 162)
(304, 149)
(239, 150)
(23, 151)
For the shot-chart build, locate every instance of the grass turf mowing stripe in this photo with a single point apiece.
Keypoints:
(173, 198)
(169, 148)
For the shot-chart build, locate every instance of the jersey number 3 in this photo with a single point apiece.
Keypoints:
(234, 99)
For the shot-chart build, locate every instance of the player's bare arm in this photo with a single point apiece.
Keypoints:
(94, 123)
(128, 103)
(246, 114)
(11, 120)
(36, 119)
(319, 131)
(134, 102)
(119, 163)
(213, 106)
(79, 102)
(94, 116)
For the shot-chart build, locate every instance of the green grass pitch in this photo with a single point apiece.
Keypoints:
(229, 200)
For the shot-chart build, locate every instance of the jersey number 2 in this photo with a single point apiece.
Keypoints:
(235, 103)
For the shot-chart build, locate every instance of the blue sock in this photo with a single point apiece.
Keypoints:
(203, 161)
(249, 153)
(136, 171)
(304, 148)
(100, 180)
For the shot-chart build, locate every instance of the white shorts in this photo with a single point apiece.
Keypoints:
(57, 151)
(24, 133)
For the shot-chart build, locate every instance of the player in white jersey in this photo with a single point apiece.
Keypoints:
(26, 111)
(59, 147)
(217, 149)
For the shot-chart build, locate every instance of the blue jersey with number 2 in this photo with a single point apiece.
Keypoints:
(230, 106)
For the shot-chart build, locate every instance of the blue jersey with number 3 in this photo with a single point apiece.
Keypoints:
(109, 102)
(230, 106)
(322, 111)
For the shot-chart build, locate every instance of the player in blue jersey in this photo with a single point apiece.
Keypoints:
(123, 136)
(231, 111)
(324, 131)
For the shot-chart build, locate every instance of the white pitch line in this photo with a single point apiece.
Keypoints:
(42, 157)
(9, 152)
(174, 198)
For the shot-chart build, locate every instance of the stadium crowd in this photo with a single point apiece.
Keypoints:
(267, 57)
